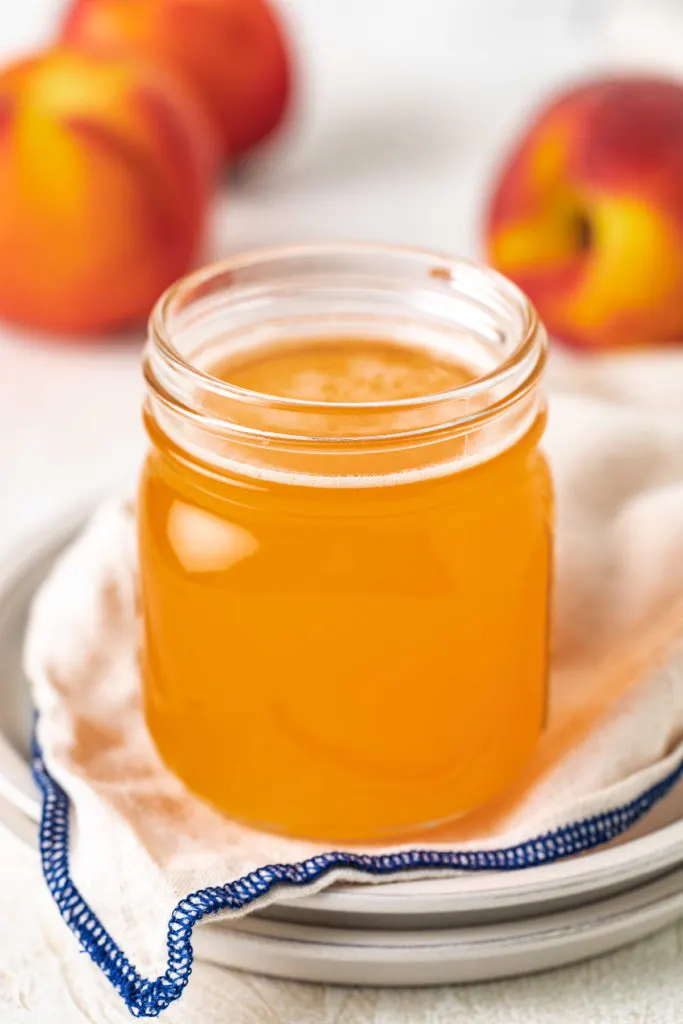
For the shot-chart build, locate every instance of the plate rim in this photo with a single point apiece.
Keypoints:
(604, 913)
(507, 950)
(449, 956)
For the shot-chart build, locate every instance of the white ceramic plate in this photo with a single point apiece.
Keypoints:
(654, 847)
(365, 956)
(443, 956)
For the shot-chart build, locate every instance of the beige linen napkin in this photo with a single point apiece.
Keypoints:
(140, 842)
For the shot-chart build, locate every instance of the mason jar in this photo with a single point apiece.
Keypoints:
(345, 531)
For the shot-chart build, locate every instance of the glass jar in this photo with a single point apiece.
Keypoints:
(345, 538)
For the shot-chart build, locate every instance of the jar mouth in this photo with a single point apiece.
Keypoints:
(489, 293)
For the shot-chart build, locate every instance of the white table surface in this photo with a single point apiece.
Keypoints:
(404, 106)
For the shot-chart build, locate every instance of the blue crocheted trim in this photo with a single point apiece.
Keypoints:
(147, 997)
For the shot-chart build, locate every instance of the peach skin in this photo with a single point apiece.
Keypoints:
(232, 52)
(106, 168)
(587, 215)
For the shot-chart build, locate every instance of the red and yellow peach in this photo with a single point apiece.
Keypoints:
(231, 52)
(587, 216)
(106, 168)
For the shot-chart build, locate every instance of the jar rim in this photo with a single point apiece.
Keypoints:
(531, 347)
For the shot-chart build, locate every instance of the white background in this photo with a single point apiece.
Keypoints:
(404, 108)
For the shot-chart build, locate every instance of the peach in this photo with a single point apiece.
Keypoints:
(232, 52)
(106, 168)
(587, 216)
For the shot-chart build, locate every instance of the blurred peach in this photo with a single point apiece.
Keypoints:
(587, 215)
(105, 172)
(232, 52)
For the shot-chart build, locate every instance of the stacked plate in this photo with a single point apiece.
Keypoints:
(427, 932)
